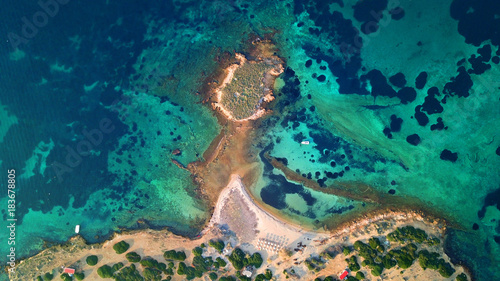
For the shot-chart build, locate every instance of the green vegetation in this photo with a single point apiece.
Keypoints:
(329, 278)
(218, 245)
(79, 275)
(66, 277)
(121, 247)
(360, 275)
(407, 233)
(346, 251)
(39, 278)
(133, 257)
(212, 276)
(242, 94)
(173, 255)
(238, 259)
(461, 277)
(48, 276)
(432, 261)
(128, 273)
(117, 266)
(151, 274)
(149, 262)
(197, 251)
(105, 271)
(353, 264)
(220, 262)
(227, 278)
(92, 260)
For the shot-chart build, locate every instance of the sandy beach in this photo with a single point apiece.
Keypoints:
(240, 222)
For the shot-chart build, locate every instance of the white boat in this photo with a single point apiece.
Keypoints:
(305, 142)
(77, 228)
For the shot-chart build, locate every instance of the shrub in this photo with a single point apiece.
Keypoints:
(227, 278)
(237, 258)
(121, 247)
(79, 276)
(181, 270)
(197, 251)
(133, 257)
(152, 274)
(374, 242)
(269, 274)
(260, 277)
(353, 264)
(48, 276)
(461, 277)
(212, 276)
(360, 275)
(173, 255)
(218, 245)
(92, 260)
(117, 266)
(221, 262)
(105, 271)
(329, 278)
(346, 251)
(129, 273)
(66, 277)
(39, 278)
(445, 269)
(255, 260)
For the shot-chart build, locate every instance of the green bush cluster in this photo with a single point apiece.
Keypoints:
(66, 277)
(129, 273)
(267, 276)
(360, 275)
(217, 244)
(151, 274)
(213, 276)
(121, 247)
(433, 261)
(105, 271)
(405, 256)
(149, 262)
(314, 264)
(92, 260)
(198, 251)
(238, 259)
(365, 251)
(48, 276)
(39, 278)
(117, 266)
(353, 264)
(461, 277)
(79, 275)
(407, 233)
(173, 255)
(219, 262)
(227, 278)
(346, 250)
(189, 271)
(133, 257)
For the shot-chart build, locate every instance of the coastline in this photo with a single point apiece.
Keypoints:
(73, 252)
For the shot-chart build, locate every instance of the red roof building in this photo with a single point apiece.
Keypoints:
(69, 270)
(344, 275)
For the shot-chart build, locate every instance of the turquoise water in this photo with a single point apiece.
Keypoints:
(400, 95)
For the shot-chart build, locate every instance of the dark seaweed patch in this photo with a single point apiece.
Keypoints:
(449, 156)
(421, 80)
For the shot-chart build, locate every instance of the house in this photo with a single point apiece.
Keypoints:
(344, 274)
(248, 271)
(68, 270)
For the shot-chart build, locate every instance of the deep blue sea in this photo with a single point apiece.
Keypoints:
(96, 96)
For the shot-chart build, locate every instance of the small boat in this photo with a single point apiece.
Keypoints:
(77, 228)
(304, 142)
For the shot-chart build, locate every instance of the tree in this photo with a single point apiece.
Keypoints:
(360, 275)
(121, 247)
(66, 277)
(255, 260)
(105, 271)
(48, 276)
(217, 244)
(462, 277)
(173, 255)
(92, 260)
(445, 269)
(212, 276)
(346, 251)
(197, 251)
(79, 276)
(39, 278)
(133, 257)
(269, 274)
